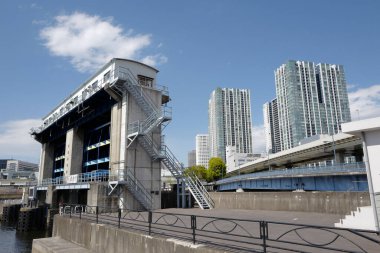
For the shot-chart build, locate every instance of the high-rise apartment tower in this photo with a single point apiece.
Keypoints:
(230, 121)
(311, 99)
(271, 127)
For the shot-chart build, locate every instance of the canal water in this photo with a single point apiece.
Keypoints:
(12, 241)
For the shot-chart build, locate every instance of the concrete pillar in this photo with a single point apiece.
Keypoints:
(115, 136)
(134, 157)
(92, 195)
(46, 161)
(339, 156)
(137, 160)
(73, 152)
(178, 193)
(49, 195)
(183, 194)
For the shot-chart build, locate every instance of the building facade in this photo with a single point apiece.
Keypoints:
(271, 127)
(95, 132)
(11, 169)
(234, 159)
(311, 99)
(230, 121)
(191, 158)
(202, 150)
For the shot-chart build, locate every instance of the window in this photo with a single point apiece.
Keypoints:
(94, 85)
(106, 76)
(145, 81)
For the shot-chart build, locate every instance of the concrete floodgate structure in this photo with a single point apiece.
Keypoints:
(103, 145)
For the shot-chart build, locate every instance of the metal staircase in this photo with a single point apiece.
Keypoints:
(134, 186)
(142, 132)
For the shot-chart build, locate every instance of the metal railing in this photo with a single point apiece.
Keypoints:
(145, 126)
(195, 186)
(136, 90)
(242, 235)
(331, 169)
(93, 176)
(134, 186)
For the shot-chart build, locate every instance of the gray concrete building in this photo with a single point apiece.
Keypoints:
(104, 144)
(191, 158)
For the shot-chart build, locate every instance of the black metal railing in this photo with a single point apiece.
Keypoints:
(242, 235)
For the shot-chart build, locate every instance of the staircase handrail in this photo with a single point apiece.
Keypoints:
(200, 186)
(127, 75)
(140, 187)
(149, 140)
(193, 180)
(148, 122)
(126, 175)
(142, 127)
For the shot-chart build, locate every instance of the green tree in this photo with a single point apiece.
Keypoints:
(199, 171)
(217, 168)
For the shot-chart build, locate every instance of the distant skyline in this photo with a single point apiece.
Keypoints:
(50, 48)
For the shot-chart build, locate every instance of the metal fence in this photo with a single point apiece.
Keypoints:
(235, 235)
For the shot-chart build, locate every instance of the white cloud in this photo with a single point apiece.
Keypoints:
(16, 142)
(351, 86)
(154, 59)
(91, 41)
(258, 139)
(365, 102)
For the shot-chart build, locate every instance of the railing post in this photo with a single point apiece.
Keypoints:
(97, 214)
(193, 226)
(150, 222)
(264, 234)
(119, 216)
(70, 211)
(80, 213)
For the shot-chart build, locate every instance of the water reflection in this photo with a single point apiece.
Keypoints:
(12, 241)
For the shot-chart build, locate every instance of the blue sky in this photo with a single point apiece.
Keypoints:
(196, 45)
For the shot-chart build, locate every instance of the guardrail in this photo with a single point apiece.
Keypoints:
(337, 168)
(93, 176)
(242, 235)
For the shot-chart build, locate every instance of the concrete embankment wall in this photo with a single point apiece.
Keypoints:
(91, 237)
(318, 202)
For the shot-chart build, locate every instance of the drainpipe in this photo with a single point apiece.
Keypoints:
(369, 179)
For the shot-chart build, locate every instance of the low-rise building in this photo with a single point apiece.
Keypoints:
(234, 160)
(14, 169)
